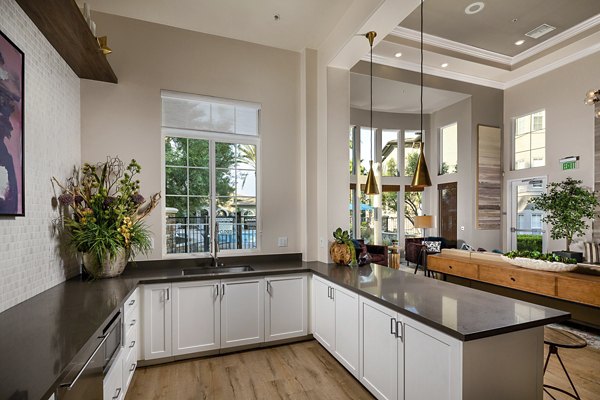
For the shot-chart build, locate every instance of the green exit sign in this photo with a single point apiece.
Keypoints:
(569, 165)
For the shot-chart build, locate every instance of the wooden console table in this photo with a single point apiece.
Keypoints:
(576, 292)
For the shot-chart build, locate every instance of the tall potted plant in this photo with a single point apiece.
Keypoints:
(103, 215)
(568, 207)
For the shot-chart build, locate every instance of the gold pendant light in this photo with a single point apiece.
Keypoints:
(421, 177)
(371, 184)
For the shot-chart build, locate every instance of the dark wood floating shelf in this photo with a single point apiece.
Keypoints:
(63, 24)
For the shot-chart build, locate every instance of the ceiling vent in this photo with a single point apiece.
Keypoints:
(540, 31)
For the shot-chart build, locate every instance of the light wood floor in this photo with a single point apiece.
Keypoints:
(306, 371)
(298, 371)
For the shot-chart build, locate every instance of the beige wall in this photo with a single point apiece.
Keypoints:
(569, 123)
(125, 119)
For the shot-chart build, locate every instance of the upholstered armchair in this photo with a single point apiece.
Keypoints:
(412, 249)
(372, 253)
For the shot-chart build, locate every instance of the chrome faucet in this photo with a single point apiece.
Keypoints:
(215, 255)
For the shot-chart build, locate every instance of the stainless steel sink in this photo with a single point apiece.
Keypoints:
(216, 270)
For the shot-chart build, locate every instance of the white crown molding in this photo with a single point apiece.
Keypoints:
(554, 65)
(557, 39)
(493, 56)
(410, 66)
(451, 45)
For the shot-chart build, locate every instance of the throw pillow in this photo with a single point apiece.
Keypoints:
(590, 252)
(432, 246)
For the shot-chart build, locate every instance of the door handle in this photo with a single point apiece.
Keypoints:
(392, 326)
(400, 330)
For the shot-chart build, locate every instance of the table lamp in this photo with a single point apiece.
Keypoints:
(425, 222)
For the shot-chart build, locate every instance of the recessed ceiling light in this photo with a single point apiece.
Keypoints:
(519, 42)
(474, 8)
(444, 65)
(398, 55)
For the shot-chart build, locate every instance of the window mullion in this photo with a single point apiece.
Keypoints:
(212, 192)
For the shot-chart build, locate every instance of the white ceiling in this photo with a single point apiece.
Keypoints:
(303, 23)
(398, 97)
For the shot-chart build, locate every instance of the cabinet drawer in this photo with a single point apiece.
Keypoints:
(529, 281)
(132, 320)
(132, 301)
(129, 366)
(579, 290)
(131, 339)
(113, 380)
(453, 267)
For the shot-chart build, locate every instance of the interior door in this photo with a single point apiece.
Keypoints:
(526, 227)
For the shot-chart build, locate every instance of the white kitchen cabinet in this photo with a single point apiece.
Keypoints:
(157, 336)
(131, 344)
(381, 351)
(336, 322)
(113, 380)
(242, 312)
(432, 363)
(324, 319)
(346, 348)
(196, 316)
(286, 304)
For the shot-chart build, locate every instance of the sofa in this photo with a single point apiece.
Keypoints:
(412, 249)
(370, 253)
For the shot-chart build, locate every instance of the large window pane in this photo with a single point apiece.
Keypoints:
(412, 208)
(175, 151)
(389, 152)
(412, 141)
(449, 147)
(176, 180)
(198, 152)
(389, 218)
(529, 141)
(367, 218)
(199, 182)
(366, 150)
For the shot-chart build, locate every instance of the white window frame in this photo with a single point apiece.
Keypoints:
(441, 148)
(513, 140)
(212, 137)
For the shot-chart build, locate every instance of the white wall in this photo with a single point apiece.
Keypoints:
(125, 119)
(569, 124)
(31, 260)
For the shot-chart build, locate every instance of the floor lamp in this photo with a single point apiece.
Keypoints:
(424, 222)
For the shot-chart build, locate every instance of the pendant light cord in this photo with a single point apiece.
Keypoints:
(422, 135)
(371, 114)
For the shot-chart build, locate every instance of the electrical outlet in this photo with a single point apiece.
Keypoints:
(282, 241)
(322, 242)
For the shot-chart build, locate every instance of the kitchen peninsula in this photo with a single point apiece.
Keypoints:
(390, 329)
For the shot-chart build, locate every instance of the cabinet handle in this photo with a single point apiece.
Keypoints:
(400, 330)
(450, 266)
(132, 367)
(132, 322)
(117, 393)
(513, 279)
(328, 292)
(223, 291)
(332, 294)
(392, 325)
(132, 344)
(217, 289)
(269, 288)
(132, 302)
(168, 297)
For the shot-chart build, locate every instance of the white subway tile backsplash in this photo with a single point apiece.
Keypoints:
(30, 259)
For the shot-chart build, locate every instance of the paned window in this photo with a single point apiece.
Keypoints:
(210, 169)
(529, 140)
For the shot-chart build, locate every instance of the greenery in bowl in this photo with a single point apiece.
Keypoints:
(538, 255)
(343, 237)
(105, 210)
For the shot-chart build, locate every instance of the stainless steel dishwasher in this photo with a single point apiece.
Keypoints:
(85, 380)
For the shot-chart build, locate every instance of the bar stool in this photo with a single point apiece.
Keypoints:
(556, 338)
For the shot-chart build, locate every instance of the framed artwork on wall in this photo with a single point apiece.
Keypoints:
(489, 177)
(12, 163)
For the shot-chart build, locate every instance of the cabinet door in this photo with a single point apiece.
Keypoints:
(113, 380)
(346, 329)
(432, 364)
(157, 321)
(324, 329)
(285, 307)
(379, 350)
(196, 317)
(242, 312)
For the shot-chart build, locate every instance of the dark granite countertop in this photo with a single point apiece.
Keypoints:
(42, 336)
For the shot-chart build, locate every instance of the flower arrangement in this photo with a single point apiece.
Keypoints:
(104, 214)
